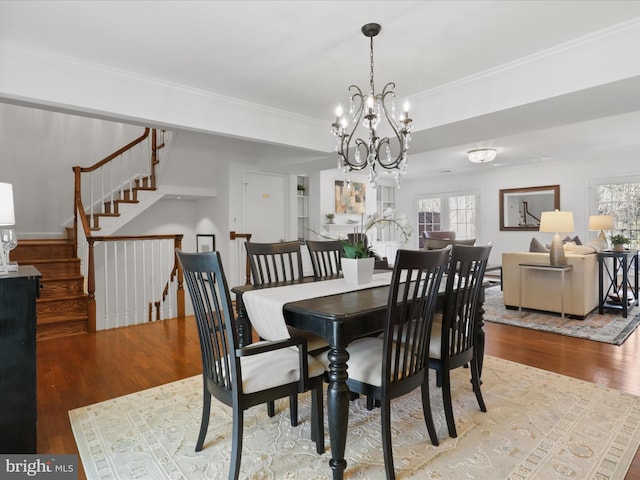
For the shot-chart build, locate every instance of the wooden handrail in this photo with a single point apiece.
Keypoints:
(117, 153)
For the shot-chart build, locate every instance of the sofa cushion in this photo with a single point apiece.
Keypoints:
(571, 247)
(598, 244)
(536, 246)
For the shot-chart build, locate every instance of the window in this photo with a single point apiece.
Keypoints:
(622, 200)
(447, 212)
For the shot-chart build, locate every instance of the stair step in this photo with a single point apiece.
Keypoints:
(57, 268)
(49, 310)
(28, 250)
(62, 328)
(61, 286)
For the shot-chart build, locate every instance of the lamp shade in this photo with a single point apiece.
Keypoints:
(557, 221)
(7, 216)
(601, 222)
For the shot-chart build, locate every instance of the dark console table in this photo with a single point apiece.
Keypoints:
(18, 414)
(613, 294)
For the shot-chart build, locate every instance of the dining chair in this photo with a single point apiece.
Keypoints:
(281, 262)
(440, 234)
(453, 335)
(241, 377)
(325, 257)
(387, 367)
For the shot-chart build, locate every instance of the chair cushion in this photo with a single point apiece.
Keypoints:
(271, 369)
(314, 342)
(436, 337)
(365, 360)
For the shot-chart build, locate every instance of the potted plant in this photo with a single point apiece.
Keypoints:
(618, 240)
(330, 217)
(301, 190)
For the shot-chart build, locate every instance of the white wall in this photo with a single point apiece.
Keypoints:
(37, 153)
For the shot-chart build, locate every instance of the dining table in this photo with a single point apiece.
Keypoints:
(339, 318)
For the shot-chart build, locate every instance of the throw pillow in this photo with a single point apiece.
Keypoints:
(536, 246)
(575, 240)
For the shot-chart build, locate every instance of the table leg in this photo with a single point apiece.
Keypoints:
(243, 325)
(338, 408)
(478, 347)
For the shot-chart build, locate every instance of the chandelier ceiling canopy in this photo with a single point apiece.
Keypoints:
(370, 134)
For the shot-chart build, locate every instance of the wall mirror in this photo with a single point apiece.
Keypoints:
(521, 208)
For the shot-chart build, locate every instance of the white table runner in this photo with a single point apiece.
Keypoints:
(264, 306)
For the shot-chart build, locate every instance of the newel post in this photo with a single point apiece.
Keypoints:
(177, 242)
(91, 288)
(76, 196)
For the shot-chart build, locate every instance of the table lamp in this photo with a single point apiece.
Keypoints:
(557, 222)
(7, 217)
(601, 222)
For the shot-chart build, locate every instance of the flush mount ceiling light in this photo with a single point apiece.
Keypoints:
(375, 143)
(482, 155)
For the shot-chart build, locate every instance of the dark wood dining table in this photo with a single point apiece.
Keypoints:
(340, 319)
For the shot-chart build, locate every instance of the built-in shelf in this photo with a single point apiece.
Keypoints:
(302, 207)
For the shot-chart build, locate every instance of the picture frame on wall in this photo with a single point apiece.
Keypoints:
(205, 242)
(350, 200)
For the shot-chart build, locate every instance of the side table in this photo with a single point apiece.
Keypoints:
(561, 269)
(616, 295)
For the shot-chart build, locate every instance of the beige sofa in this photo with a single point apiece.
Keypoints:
(542, 289)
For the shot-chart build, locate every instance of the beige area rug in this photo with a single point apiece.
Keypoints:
(539, 425)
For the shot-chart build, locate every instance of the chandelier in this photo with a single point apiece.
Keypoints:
(378, 145)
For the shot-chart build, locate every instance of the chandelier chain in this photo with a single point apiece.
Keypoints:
(371, 60)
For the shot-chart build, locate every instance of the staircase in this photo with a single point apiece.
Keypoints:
(62, 305)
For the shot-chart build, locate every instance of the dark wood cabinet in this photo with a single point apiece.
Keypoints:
(18, 410)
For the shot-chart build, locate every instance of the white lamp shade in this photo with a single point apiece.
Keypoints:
(7, 215)
(601, 222)
(557, 221)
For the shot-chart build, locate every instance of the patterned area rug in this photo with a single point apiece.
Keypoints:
(539, 425)
(607, 328)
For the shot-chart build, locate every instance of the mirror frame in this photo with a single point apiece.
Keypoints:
(553, 190)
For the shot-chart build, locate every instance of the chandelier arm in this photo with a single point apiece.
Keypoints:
(386, 91)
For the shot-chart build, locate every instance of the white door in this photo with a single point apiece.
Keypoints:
(266, 210)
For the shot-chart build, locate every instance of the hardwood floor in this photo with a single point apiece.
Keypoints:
(87, 368)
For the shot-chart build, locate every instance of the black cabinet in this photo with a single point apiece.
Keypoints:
(18, 414)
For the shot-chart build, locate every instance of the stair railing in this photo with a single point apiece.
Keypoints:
(130, 274)
(129, 290)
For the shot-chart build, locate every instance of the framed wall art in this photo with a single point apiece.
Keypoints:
(350, 200)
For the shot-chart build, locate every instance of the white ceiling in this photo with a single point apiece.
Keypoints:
(300, 57)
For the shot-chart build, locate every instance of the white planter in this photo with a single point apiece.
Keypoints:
(358, 270)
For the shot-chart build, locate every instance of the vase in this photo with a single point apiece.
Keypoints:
(618, 247)
(358, 270)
